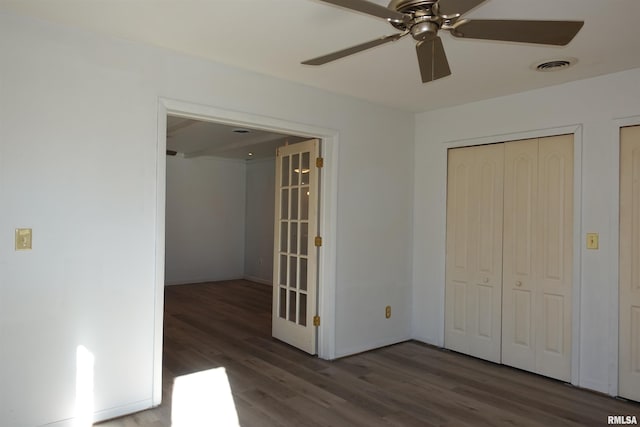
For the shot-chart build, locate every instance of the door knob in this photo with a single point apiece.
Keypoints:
(518, 283)
(485, 280)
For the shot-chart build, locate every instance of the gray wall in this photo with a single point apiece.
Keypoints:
(258, 255)
(205, 223)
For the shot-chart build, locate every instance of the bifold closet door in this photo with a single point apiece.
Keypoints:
(519, 281)
(538, 256)
(629, 333)
(473, 290)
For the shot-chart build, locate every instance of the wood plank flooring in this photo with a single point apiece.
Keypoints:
(228, 324)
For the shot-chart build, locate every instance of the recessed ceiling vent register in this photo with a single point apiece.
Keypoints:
(423, 19)
(555, 65)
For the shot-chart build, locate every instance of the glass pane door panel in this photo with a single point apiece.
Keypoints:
(295, 169)
(304, 203)
(283, 236)
(285, 171)
(304, 169)
(293, 272)
(293, 244)
(294, 203)
(292, 306)
(284, 204)
(283, 270)
(282, 302)
(303, 274)
(304, 238)
(302, 310)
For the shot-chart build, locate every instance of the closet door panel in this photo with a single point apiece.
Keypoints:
(629, 286)
(460, 257)
(486, 293)
(554, 257)
(519, 283)
(474, 251)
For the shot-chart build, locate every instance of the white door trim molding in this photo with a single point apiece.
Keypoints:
(576, 130)
(327, 215)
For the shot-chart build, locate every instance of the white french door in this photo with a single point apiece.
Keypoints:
(295, 251)
(629, 334)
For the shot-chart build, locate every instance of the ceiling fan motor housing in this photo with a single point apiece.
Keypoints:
(425, 21)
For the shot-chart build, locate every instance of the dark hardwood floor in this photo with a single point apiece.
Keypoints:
(228, 324)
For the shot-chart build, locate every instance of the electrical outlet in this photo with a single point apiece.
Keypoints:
(387, 311)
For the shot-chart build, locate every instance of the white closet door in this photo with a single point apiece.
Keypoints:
(519, 282)
(474, 251)
(538, 248)
(629, 347)
(554, 257)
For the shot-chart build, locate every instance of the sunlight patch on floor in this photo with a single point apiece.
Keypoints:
(203, 399)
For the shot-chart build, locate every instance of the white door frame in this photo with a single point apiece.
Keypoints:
(327, 215)
(576, 130)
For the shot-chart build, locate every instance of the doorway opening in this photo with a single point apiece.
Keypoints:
(242, 161)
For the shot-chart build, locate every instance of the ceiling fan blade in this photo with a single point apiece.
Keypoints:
(557, 33)
(432, 60)
(371, 9)
(351, 50)
(451, 7)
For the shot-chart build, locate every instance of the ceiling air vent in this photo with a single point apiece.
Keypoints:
(555, 64)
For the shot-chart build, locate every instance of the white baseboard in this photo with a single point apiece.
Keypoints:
(259, 280)
(107, 414)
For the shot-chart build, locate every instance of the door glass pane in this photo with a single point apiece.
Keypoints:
(294, 203)
(284, 204)
(283, 270)
(302, 310)
(304, 203)
(293, 245)
(304, 238)
(295, 169)
(283, 236)
(282, 312)
(285, 171)
(293, 270)
(292, 306)
(304, 170)
(303, 274)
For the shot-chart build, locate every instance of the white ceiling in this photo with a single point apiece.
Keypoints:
(273, 36)
(194, 138)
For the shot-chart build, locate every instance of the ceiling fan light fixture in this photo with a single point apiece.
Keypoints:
(554, 64)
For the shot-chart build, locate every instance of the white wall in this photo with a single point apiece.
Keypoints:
(594, 104)
(260, 210)
(78, 119)
(205, 221)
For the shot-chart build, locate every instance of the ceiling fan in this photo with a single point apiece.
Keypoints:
(424, 18)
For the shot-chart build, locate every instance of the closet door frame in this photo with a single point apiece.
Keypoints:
(614, 290)
(578, 247)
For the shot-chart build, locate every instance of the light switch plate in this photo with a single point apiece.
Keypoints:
(592, 240)
(23, 239)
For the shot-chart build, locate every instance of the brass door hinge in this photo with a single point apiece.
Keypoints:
(319, 162)
(318, 241)
(316, 320)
